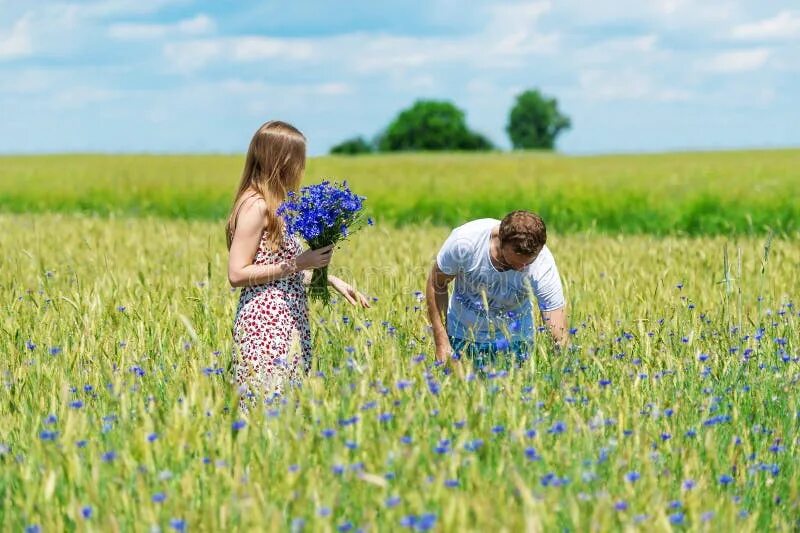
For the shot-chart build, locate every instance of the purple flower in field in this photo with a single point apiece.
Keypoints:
(33, 528)
(665, 436)
(51, 419)
(48, 435)
(451, 483)
(473, 445)
(676, 519)
(531, 454)
(31, 347)
(346, 526)
(707, 516)
(725, 479)
(557, 428)
(55, 350)
(406, 439)
(324, 511)
(178, 524)
(86, 511)
(689, 484)
(76, 404)
(633, 476)
(674, 505)
(385, 417)
(497, 430)
(159, 497)
(238, 424)
(605, 382)
(109, 456)
(621, 505)
(392, 501)
(152, 437)
(328, 433)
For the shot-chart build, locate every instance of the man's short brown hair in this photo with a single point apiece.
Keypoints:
(524, 231)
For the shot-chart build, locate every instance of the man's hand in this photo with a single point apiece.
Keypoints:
(556, 321)
(444, 352)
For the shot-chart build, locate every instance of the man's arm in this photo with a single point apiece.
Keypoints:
(556, 321)
(437, 299)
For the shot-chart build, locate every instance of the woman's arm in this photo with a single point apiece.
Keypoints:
(246, 238)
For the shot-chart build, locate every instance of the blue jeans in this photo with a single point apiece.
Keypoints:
(487, 355)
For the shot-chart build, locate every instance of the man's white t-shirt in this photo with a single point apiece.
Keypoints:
(508, 294)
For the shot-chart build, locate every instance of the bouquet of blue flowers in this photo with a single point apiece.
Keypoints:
(322, 214)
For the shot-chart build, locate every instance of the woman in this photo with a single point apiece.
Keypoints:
(271, 329)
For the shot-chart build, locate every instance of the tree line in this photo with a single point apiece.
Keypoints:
(534, 122)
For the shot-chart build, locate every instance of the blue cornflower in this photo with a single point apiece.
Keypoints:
(531, 454)
(152, 437)
(109, 456)
(76, 404)
(48, 435)
(178, 524)
(451, 483)
(473, 445)
(86, 511)
(725, 479)
(557, 428)
(328, 433)
(159, 497)
(676, 519)
(498, 429)
(633, 476)
(346, 526)
(238, 424)
(55, 350)
(689, 484)
(392, 501)
(621, 505)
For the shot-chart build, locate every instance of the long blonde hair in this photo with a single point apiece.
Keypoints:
(274, 166)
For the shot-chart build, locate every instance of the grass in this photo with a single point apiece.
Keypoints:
(117, 399)
(694, 194)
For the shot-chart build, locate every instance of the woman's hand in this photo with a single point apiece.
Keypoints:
(314, 258)
(348, 291)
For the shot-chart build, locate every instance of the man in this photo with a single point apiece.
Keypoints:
(499, 268)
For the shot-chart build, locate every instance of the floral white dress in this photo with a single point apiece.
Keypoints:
(271, 332)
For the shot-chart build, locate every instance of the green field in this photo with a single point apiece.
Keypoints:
(665, 194)
(677, 407)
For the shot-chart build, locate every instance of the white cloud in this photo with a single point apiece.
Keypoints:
(17, 41)
(510, 35)
(627, 85)
(197, 25)
(784, 25)
(737, 61)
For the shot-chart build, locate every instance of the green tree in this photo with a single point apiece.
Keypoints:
(356, 145)
(535, 121)
(431, 125)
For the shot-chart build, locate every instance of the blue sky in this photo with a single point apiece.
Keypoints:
(201, 76)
